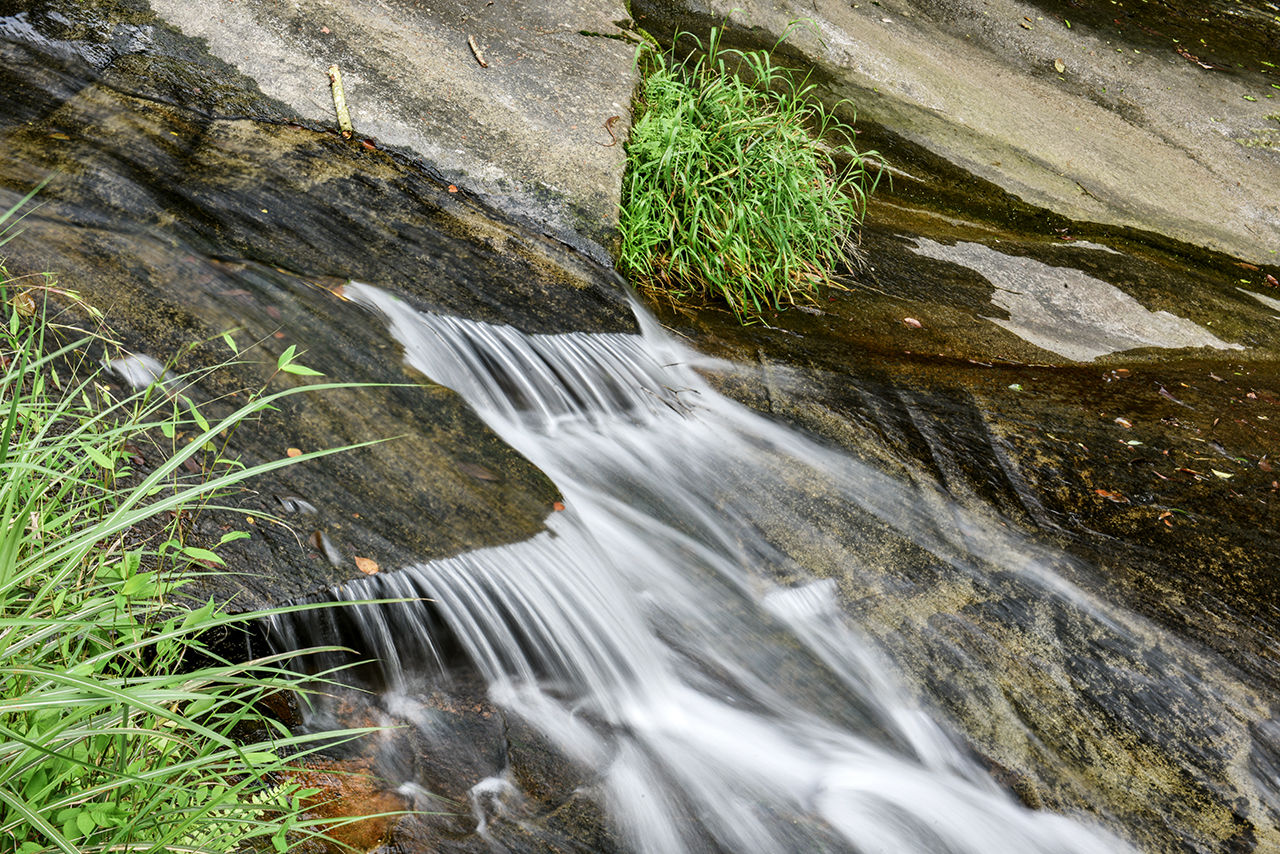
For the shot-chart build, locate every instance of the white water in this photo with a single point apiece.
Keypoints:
(644, 632)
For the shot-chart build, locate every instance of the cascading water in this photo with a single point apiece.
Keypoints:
(662, 632)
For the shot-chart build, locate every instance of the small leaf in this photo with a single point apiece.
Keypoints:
(1111, 495)
(100, 458)
(168, 429)
(293, 452)
(367, 566)
(202, 554)
(232, 536)
(231, 342)
(198, 616)
(1059, 66)
(201, 421)
(1015, 387)
(1222, 474)
(143, 582)
(286, 357)
(300, 370)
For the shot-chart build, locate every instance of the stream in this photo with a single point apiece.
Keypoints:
(649, 637)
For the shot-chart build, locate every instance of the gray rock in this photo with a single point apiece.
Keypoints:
(527, 129)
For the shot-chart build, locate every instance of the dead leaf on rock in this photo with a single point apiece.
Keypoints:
(1111, 495)
(1059, 66)
(293, 452)
(557, 506)
(912, 322)
(23, 304)
(367, 566)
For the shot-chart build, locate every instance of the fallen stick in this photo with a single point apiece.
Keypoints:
(475, 48)
(340, 102)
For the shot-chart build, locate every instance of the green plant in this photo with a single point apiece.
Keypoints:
(739, 185)
(113, 737)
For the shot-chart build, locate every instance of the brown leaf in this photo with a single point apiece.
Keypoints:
(559, 505)
(367, 566)
(1271, 280)
(23, 304)
(293, 452)
(1112, 496)
(1247, 266)
(1191, 57)
(453, 188)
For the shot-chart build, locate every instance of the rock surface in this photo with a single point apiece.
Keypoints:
(181, 225)
(522, 121)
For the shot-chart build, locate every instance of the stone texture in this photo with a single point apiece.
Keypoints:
(527, 131)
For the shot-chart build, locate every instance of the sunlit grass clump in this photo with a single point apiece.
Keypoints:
(119, 729)
(739, 186)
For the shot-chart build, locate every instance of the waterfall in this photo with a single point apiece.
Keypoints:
(661, 631)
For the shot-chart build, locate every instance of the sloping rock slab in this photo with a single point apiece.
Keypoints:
(181, 226)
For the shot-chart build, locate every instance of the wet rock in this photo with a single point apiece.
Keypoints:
(347, 790)
(1149, 464)
(183, 226)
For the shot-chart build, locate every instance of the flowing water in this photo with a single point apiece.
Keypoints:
(661, 632)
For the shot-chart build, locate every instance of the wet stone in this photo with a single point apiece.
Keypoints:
(182, 226)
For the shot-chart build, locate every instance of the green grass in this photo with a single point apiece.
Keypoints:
(119, 730)
(735, 187)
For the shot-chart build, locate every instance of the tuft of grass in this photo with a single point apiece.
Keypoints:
(119, 729)
(739, 186)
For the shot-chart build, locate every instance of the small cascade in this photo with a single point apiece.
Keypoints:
(663, 632)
